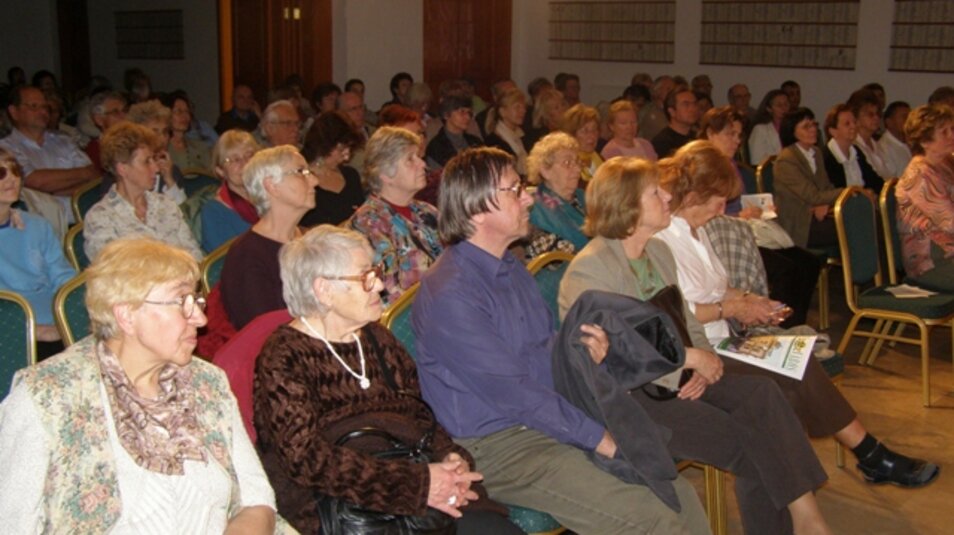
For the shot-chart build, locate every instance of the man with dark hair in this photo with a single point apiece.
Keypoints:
(893, 143)
(245, 113)
(399, 86)
(452, 138)
(794, 93)
(701, 83)
(682, 110)
(942, 95)
(483, 341)
(569, 85)
(354, 85)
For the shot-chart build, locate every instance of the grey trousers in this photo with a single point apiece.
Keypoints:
(527, 468)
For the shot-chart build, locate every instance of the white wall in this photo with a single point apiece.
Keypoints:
(821, 89)
(197, 73)
(374, 39)
(28, 37)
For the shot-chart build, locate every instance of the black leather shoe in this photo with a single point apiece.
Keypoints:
(885, 466)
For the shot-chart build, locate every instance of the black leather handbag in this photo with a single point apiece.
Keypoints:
(339, 517)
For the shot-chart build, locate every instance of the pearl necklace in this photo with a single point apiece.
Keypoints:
(362, 378)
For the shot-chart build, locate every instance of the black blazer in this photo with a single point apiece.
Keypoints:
(440, 149)
(836, 171)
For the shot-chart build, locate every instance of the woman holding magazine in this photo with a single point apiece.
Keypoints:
(695, 184)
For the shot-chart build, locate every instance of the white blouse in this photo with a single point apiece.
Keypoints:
(763, 142)
(701, 275)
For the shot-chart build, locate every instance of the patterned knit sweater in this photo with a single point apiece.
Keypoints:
(304, 400)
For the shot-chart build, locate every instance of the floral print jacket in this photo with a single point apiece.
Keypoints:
(404, 248)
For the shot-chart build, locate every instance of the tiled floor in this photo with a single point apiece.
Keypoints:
(887, 398)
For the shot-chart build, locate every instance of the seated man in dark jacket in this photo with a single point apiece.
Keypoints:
(452, 138)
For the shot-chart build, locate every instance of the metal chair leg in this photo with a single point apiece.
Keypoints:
(715, 499)
(871, 343)
(925, 366)
(823, 298)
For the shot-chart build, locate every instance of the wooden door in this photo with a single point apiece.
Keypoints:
(467, 38)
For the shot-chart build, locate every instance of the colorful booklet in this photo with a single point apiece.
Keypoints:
(786, 355)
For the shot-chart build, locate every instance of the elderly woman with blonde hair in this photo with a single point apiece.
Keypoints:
(131, 207)
(125, 432)
(402, 231)
(558, 203)
(335, 370)
(583, 123)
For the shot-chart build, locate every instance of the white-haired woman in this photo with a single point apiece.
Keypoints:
(125, 432)
(282, 188)
(333, 370)
(402, 230)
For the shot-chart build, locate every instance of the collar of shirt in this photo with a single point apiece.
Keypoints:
(486, 263)
(839, 155)
(809, 155)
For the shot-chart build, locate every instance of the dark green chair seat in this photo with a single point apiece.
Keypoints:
(531, 520)
(933, 307)
(17, 337)
(192, 184)
(748, 179)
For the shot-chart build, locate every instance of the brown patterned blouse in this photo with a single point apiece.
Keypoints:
(304, 400)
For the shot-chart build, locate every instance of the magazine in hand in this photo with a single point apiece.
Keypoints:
(762, 201)
(786, 355)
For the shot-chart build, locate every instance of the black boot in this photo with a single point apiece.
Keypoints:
(882, 465)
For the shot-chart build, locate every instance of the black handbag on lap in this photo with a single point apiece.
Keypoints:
(339, 517)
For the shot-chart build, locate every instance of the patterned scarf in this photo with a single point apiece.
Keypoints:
(159, 434)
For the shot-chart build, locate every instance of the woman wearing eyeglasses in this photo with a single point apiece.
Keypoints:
(333, 370)
(402, 230)
(558, 204)
(282, 188)
(131, 207)
(125, 431)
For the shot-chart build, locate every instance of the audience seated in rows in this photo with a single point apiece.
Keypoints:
(764, 137)
(280, 125)
(583, 123)
(456, 114)
(845, 162)
(682, 112)
(185, 152)
(328, 146)
(244, 114)
(624, 127)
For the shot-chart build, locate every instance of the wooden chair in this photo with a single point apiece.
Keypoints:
(547, 270)
(74, 245)
(211, 266)
(857, 239)
(17, 337)
(69, 310)
(84, 198)
(397, 318)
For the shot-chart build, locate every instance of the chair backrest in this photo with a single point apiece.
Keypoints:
(397, 318)
(196, 179)
(17, 337)
(84, 198)
(748, 178)
(857, 240)
(889, 221)
(764, 175)
(69, 310)
(75, 247)
(211, 266)
(548, 269)
(237, 357)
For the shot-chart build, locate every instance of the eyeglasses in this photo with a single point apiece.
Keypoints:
(367, 279)
(517, 188)
(303, 172)
(186, 303)
(7, 171)
(295, 124)
(243, 159)
(572, 162)
(33, 106)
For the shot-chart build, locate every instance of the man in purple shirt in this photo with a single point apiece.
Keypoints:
(483, 341)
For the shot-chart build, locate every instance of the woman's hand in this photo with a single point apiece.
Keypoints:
(820, 212)
(449, 487)
(165, 168)
(705, 364)
(694, 388)
(750, 212)
(594, 338)
(753, 310)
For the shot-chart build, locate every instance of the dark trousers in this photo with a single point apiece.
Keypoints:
(743, 424)
(792, 274)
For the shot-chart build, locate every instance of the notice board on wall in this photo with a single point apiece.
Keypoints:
(800, 34)
(636, 31)
(922, 37)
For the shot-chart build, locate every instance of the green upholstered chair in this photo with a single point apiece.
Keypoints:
(84, 198)
(397, 318)
(211, 266)
(548, 269)
(764, 176)
(69, 310)
(857, 238)
(17, 337)
(748, 178)
(75, 248)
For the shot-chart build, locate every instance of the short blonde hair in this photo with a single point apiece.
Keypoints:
(543, 154)
(388, 144)
(231, 142)
(120, 142)
(698, 167)
(507, 98)
(618, 107)
(546, 98)
(922, 122)
(577, 116)
(613, 196)
(125, 271)
(324, 251)
(148, 111)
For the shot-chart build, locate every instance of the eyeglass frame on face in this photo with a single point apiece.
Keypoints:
(519, 187)
(303, 172)
(182, 302)
(286, 123)
(7, 170)
(367, 279)
(243, 159)
(567, 162)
